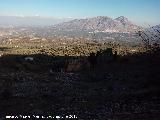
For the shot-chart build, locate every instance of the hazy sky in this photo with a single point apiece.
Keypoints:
(137, 10)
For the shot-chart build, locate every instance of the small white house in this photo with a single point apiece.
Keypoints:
(133, 50)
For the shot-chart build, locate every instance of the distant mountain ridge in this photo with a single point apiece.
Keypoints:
(100, 23)
(30, 21)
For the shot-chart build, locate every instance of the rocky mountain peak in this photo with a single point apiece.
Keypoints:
(123, 20)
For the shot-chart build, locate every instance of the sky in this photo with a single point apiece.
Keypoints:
(139, 11)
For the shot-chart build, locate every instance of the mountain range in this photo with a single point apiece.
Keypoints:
(100, 24)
